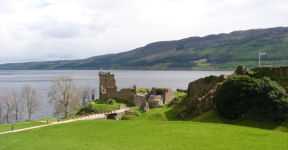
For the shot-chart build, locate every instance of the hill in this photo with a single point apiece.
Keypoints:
(220, 51)
(140, 135)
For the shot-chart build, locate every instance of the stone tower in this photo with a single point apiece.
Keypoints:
(107, 86)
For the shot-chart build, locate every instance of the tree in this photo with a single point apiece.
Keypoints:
(1, 111)
(247, 97)
(29, 96)
(85, 95)
(15, 103)
(8, 105)
(63, 94)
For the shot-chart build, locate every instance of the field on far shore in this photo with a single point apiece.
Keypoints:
(145, 135)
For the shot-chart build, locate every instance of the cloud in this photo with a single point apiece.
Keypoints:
(62, 31)
(54, 29)
(45, 29)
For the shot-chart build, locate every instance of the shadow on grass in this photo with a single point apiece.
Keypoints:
(169, 114)
(213, 117)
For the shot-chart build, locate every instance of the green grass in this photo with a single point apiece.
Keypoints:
(20, 125)
(212, 117)
(166, 114)
(144, 135)
(98, 107)
(105, 107)
(160, 114)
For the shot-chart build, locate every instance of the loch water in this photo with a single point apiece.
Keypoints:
(41, 80)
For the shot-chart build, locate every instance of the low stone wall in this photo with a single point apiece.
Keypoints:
(274, 72)
(279, 74)
(140, 100)
(155, 101)
(167, 94)
(126, 96)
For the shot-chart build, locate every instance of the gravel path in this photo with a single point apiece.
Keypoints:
(89, 117)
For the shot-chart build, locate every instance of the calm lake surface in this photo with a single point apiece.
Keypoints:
(41, 81)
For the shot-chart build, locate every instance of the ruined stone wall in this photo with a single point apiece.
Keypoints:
(200, 87)
(155, 101)
(126, 96)
(140, 100)
(279, 74)
(167, 94)
(200, 95)
(108, 90)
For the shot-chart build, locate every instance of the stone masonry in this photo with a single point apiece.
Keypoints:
(278, 74)
(107, 87)
(201, 94)
(156, 98)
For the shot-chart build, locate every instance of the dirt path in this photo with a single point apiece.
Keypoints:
(89, 117)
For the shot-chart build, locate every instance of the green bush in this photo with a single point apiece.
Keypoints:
(142, 91)
(247, 97)
(98, 107)
(179, 96)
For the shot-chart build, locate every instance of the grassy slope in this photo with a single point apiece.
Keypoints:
(212, 117)
(98, 107)
(20, 125)
(144, 135)
(165, 114)
(157, 114)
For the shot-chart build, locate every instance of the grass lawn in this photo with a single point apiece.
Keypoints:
(145, 135)
(20, 125)
(98, 107)
(165, 114)
(101, 108)
(162, 114)
(212, 117)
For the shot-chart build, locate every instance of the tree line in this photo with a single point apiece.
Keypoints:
(63, 94)
(14, 106)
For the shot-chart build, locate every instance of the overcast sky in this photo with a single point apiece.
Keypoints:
(69, 29)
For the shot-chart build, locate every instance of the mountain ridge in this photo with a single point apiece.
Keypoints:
(215, 51)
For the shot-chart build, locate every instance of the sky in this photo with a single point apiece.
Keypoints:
(37, 30)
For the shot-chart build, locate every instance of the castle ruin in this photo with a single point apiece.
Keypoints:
(155, 98)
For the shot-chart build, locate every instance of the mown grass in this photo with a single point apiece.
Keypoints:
(160, 114)
(145, 135)
(166, 114)
(98, 107)
(20, 125)
(101, 108)
(212, 117)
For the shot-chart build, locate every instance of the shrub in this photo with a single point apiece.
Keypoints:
(179, 96)
(142, 91)
(98, 107)
(244, 96)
